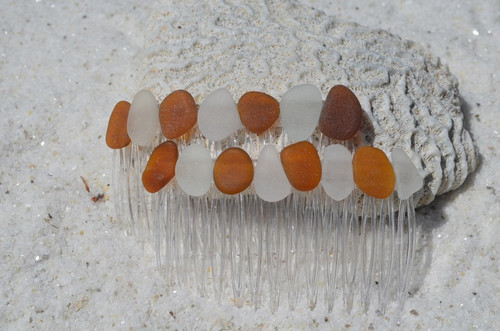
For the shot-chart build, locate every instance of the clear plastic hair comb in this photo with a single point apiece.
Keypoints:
(266, 202)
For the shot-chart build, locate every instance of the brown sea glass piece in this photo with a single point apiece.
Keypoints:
(178, 114)
(233, 171)
(341, 115)
(117, 136)
(258, 111)
(161, 167)
(302, 165)
(373, 173)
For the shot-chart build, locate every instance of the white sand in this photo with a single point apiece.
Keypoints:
(64, 262)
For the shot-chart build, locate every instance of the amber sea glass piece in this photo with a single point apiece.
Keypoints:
(302, 165)
(373, 173)
(161, 167)
(178, 114)
(341, 114)
(258, 111)
(233, 171)
(117, 136)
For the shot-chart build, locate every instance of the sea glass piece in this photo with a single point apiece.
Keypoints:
(337, 179)
(300, 109)
(302, 165)
(270, 182)
(258, 111)
(218, 116)
(117, 136)
(142, 121)
(194, 170)
(233, 171)
(408, 178)
(178, 114)
(373, 173)
(341, 114)
(161, 167)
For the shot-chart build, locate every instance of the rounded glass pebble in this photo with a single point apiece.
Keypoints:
(270, 181)
(194, 170)
(373, 173)
(408, 178)
(117, 136)
(258, 111)
(218, 116)
(300, 109)
(142, 123)
(160, 168)
(341, 114)
(178, 114)
(337, 179)
(302, 165)
(233, 171)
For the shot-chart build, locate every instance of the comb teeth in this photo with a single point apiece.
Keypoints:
(305, 249)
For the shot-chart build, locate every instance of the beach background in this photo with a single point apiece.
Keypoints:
(65, 263)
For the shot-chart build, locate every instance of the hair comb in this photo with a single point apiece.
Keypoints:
(266, 202)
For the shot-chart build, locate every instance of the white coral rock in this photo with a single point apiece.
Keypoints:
(410, 97)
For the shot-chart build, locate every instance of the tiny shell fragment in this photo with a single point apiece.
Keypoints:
(161, 167)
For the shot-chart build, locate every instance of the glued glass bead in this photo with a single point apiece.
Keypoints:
(142, 121)
(341, 114)
(194, 170)
(258, 111)
(302, 165)
(270, 182)
(408, 178)
(117, 136)
(300, 109)
(160, 168)
(337, 179)
(373, 173)
(178, 114)
(233, 171)
(218, 116)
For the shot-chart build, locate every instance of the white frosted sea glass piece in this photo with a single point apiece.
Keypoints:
(300, 108)
(337, 178)
(143, 118)
(218, 116)
(408, 178)
(270, 181)
(194, 169)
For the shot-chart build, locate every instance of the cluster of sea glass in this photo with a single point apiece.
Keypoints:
(275, 154)
(298, 165)
(301, 110)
